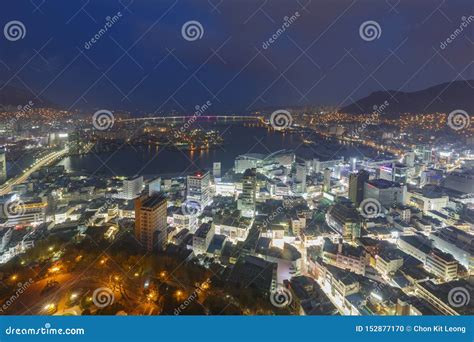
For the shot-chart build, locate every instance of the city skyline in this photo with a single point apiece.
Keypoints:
(306, 158)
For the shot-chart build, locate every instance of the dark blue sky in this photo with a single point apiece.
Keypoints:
(143, 62)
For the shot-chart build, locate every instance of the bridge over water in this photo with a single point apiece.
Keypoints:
(192, 118)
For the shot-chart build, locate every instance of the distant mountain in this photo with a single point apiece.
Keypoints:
(12, 96)
(444, 97)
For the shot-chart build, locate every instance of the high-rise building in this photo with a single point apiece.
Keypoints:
(400, 173)
(427, 154)
(3, 166)
(216, 170)
(385, 172)
(154, 187)
(199, 188)
(356, 186)
(344, 219)
(132, 187)
(337, 171)
(327, 179)
(249, 191)
(300, 177)
(150, 221)
(410, 158)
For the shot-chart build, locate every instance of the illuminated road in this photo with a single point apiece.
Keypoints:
(46, 160)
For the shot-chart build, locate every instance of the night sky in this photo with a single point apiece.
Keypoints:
(143, 62)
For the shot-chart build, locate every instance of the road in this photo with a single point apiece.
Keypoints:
(46, 160)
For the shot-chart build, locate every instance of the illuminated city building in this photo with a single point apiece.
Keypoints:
(247, 199)
(199, 188)
(356, 186)
(387, 193)
(151, 221)
(132, 187)
(3, 166)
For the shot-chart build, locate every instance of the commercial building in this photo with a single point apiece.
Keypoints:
(151, 221)
(247, 199)
(386, 192)
(458, 243)
(300, 178)
(387, 262)
(344, 256)
(154, 187)
(3, 166)
(462, 181)
(417, 246)
(199, 188)
(442, 264)
(216, 170)
(427, 200)
(356, 186)
(132, 187)
(327, 179)
(202, 238)
(344, 219)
